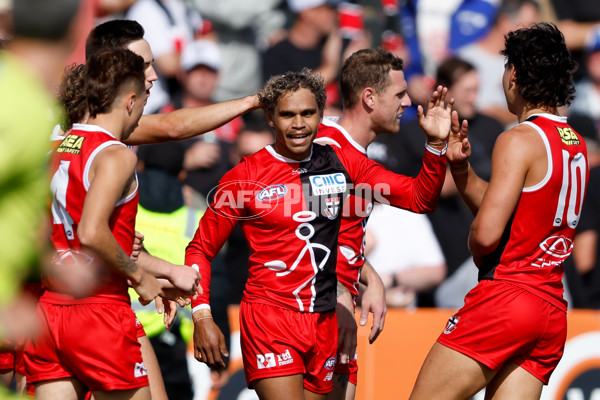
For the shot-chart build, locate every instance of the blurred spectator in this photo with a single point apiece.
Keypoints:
(403, 249)
(243, 28)
(313, 41)
(485, 56)
(576, 20)
(170, 25)
(587, 99)
(434, 29)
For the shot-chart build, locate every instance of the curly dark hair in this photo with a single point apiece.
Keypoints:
(110, 73)
(71, 94)
(279, 85)
(543, 65)
(367, 68)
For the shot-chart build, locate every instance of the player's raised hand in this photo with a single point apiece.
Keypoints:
(459, 147)
(436, 120)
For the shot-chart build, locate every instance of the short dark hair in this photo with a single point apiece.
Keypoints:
(543, 64)
(278, 85)
(113, 34)
(367, 68)
(110, 73)
(451, 70)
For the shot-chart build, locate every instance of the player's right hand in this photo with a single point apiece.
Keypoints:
(147, 286)
(209, 344)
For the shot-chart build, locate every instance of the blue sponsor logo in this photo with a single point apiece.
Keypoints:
(271, 193)
(328, 184)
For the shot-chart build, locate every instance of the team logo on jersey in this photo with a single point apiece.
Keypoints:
(567, 136)
(328, 184)
(71, 144)
(265, 361)
(330, 363)
(271, 193)
(139, 370)
(332, 207)
(451, 325)
(285, 358)
(328, 377)
(556, 249)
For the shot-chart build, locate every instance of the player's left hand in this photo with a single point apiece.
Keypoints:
(347, 327)
(373, 301)
(168, 308)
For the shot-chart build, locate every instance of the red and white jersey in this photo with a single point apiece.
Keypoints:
(539, 236)
(356, 213)
(70, 184)
(290, 214)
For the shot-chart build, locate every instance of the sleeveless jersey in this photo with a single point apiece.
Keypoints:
(539, 236)
(290, 214)
(356, 213)
(70, 183)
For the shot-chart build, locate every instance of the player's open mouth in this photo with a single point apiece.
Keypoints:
(297, 138)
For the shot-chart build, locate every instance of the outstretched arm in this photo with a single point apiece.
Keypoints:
(189, 122)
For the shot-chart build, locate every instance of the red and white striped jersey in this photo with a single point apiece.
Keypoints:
(539, 236)
(70, 184)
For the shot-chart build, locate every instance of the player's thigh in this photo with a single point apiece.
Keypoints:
(342, 388)
(289, 387)
(142, 393)
(513, 382)
(64, 389)
(155, 378)
(447, 374)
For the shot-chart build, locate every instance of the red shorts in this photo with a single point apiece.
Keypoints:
(7, 360)
(279, 342)
(94, 343)
(501, 322)
(139, 328)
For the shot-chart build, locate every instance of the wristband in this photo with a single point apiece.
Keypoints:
(201, 314)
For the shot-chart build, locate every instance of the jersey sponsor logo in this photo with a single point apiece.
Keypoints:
(271, 193)
(332, 207)
(451, 325)
(328, 184)
(285, 358)
(556, 250)
(71, 144)
(265, 360)
(330, 363)
(567, 136)
(139, 370)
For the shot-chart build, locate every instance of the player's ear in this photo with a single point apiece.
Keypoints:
(368, 97)
(269, 118)
(131, 99)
